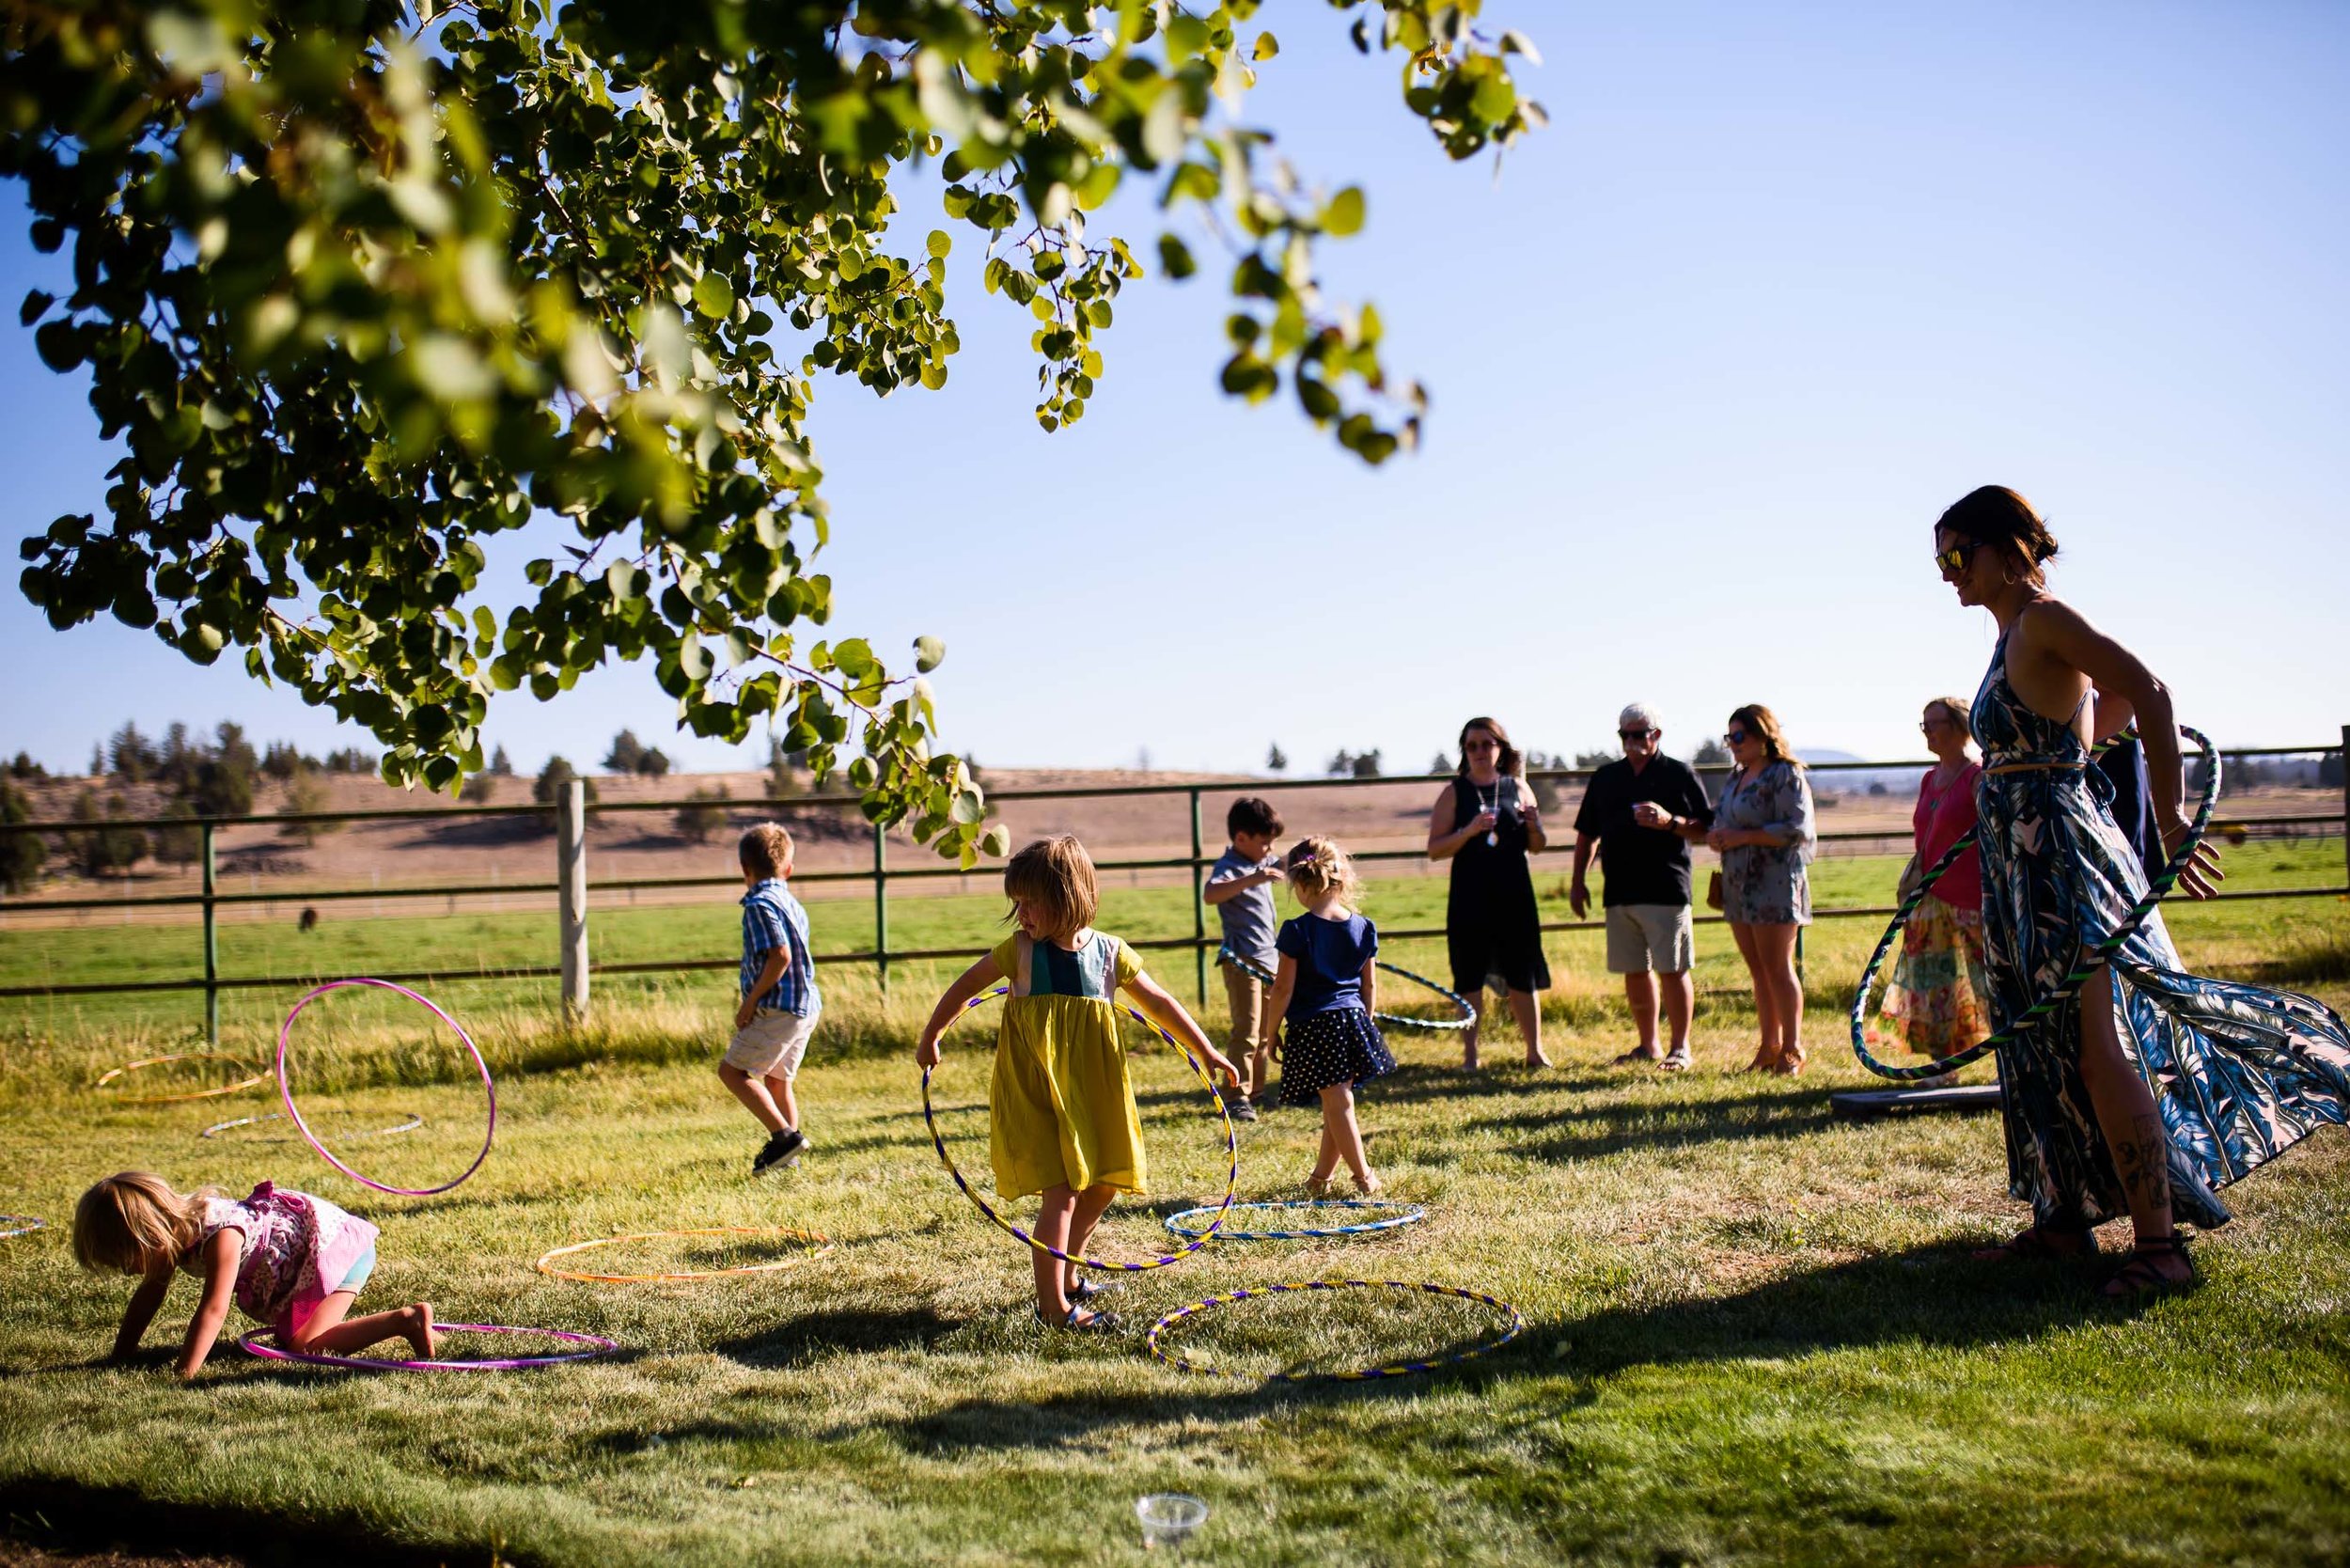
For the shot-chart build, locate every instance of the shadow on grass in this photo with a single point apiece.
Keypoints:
(1933, 1298)
(813, 1336)
(1588, 1132)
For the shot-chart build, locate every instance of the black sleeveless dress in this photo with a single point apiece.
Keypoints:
(1493, 929)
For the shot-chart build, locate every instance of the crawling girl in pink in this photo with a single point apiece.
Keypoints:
(291, 1260)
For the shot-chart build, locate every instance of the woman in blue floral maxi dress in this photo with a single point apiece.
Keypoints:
(2156, 1087)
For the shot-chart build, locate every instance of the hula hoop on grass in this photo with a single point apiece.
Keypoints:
(1392, 1369)
(2065, 989)
(1231, 1147)
(822, 1243)
(217, 1128)
(253, 1344)
(21, 1225)
(285, 1088)
(1411, 1214)
(1468, 1011)
(113, 1073)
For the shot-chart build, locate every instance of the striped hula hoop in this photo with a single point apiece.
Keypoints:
(1363, 1375)
(2065, 989)
(21, 1225)
(1468, 1012)
(1232, 1148)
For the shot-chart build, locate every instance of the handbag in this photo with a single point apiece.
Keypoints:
(1713, 890)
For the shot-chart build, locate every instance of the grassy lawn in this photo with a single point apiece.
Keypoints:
(1754, 1333)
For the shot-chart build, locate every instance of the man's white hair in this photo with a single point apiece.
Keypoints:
(1639, 714)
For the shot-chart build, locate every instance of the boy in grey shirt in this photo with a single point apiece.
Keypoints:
(1239, 889)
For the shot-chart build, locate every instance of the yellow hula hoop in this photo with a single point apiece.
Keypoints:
(823, 1244)
(113, 1073)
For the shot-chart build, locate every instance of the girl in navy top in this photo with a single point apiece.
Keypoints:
(1324, 993)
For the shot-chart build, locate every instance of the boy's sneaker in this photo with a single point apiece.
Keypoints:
(1243, 1108)
(781, 1151)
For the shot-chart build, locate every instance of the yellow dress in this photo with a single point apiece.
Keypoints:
(1062, 1107)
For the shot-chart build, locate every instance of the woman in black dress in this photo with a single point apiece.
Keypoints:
(1486, 822)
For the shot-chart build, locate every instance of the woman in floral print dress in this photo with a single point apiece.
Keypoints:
(2153, 1087)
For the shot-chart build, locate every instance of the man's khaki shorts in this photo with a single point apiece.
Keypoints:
(772, 1045)
(1642, 937)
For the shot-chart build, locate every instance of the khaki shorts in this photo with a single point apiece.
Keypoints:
(772, 1045)
(1251, 1003)
(1642, 937)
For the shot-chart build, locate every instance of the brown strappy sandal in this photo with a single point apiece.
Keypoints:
(2139, 1280)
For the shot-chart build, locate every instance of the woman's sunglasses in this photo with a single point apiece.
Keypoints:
(1735, 737)
(1954, 559)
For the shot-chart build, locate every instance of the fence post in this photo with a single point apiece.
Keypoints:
(1198, 905)
(2345, 805)
(880, 907)
(211, 945)
(570, 875)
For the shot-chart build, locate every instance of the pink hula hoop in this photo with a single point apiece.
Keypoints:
(284, 1086)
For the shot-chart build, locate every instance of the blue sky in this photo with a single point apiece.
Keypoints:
(1707, 359)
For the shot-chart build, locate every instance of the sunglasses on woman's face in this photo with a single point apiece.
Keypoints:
(1735, 737)
(1953, 560)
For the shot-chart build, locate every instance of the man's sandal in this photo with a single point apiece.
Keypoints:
(2138, 1277)
(2041, 1242)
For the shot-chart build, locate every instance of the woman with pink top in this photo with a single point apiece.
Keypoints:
(1934, 1003)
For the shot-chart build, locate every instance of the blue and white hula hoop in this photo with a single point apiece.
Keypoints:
(1411, 1214)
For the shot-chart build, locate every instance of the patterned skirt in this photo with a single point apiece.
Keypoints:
(1933, 1004)
(1341, 1046)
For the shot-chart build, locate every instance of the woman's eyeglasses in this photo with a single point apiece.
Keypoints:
(1735, 737)
(1953, 560)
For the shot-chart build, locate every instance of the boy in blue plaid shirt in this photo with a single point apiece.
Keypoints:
(779, 1004)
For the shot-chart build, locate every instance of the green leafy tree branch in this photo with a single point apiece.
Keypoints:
(362, 285)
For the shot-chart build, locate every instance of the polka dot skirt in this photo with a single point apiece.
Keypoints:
(1339, 1046)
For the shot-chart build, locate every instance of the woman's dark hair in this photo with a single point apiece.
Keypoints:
(1508, 762)
(1996, 516)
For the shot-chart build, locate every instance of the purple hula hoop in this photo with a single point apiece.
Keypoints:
(284, 1092)
(251, 1344)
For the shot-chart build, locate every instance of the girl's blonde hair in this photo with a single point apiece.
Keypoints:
(126, 1223)
(1317, 868)
(1055, 875)
(1765, 725)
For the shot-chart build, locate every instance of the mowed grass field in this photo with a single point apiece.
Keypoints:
(1754, 1334)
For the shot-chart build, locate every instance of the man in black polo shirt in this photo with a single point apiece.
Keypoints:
(1642, 814)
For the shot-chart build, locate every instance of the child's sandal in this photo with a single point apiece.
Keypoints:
(1320, 1187)
(2138, 1277)
(1095, 1323)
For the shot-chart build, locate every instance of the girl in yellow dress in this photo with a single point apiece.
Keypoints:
(1063, 1118)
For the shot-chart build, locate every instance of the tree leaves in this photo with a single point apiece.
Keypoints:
(356, 302)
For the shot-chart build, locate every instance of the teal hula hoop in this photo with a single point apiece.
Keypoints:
(1468, 1012)
(1412, 1213)
(2065, 989)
